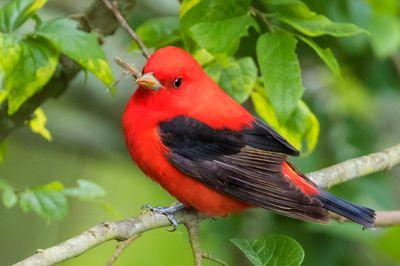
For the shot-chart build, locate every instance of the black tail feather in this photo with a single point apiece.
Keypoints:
(358, 214)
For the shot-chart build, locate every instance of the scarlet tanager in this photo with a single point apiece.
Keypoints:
(209, 152)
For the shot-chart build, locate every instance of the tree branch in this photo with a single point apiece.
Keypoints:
(97, 18)
(128, 68)
(122, 21)
(125, 229)
(357, 167)
(209, 257)
(383, 218)
(192, 226)
(119, 230)
(120, 248)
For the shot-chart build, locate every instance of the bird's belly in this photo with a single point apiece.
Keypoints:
(204, 199)
(150, 157)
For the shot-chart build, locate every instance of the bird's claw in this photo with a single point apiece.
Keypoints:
(168, 212)
(173, 221)
(147, 206)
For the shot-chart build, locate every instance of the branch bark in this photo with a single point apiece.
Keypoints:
(114, 8)
(119, 230)
(124, 229)
(383, 218)
(120, 248)
(192, 226)
(357, 167)
(97, 18)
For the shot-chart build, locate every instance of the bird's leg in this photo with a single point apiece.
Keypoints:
(167, 211)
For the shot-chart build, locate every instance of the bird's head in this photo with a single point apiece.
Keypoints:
(173, 83)
(171, 69)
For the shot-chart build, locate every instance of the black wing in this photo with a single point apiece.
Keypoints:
(262, 136)
(246, 165)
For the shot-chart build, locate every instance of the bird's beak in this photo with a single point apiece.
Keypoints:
(148, 81)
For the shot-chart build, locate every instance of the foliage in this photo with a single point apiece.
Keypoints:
(29, 61)
(38, 124)
(2, 151)
(49, 201)
(216, 28)
(271, 250)
(237, 77)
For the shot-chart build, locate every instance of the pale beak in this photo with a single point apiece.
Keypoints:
(148, 81)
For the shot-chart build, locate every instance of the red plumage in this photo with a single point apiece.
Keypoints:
(146, 109)
(209, 152)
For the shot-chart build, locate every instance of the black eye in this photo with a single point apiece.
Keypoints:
(177, 82)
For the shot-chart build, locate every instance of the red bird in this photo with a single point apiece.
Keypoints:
(209, 152)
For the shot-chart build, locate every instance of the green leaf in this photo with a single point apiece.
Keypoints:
(387, 7)
(300, 17)
(158, 32)
(237, 77)
(2, 151)
(34, 69)
(38, 124)
(4, 184)
(9, 197)
(210, 11)
(272, 250)
(203, 57)
(264, 108)
(78, 45)
(3, 93)
(47, 201)
(385, 35)
(320, 25)
(266, 111)
(281, 2)
(10, 53)
(305, 125)
(86, 190)
(186, 5)
(222, 36)
(325, 54)
(301, 128)
(15, 12)
(280, 70)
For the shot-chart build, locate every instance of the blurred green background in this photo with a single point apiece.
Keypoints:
(358, 115)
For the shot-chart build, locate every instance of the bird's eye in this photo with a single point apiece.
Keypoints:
(177, 82)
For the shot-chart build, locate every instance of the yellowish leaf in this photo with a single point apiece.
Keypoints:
(38, 124)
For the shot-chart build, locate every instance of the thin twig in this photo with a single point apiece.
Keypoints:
(192, 227)
(209, 257)
(129, 68)
(122, 21)
(120, 248)
(121, 77)
(264, 18)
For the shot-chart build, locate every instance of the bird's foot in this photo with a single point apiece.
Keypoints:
(167, 211)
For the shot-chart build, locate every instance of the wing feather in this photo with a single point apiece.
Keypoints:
(245, 165)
